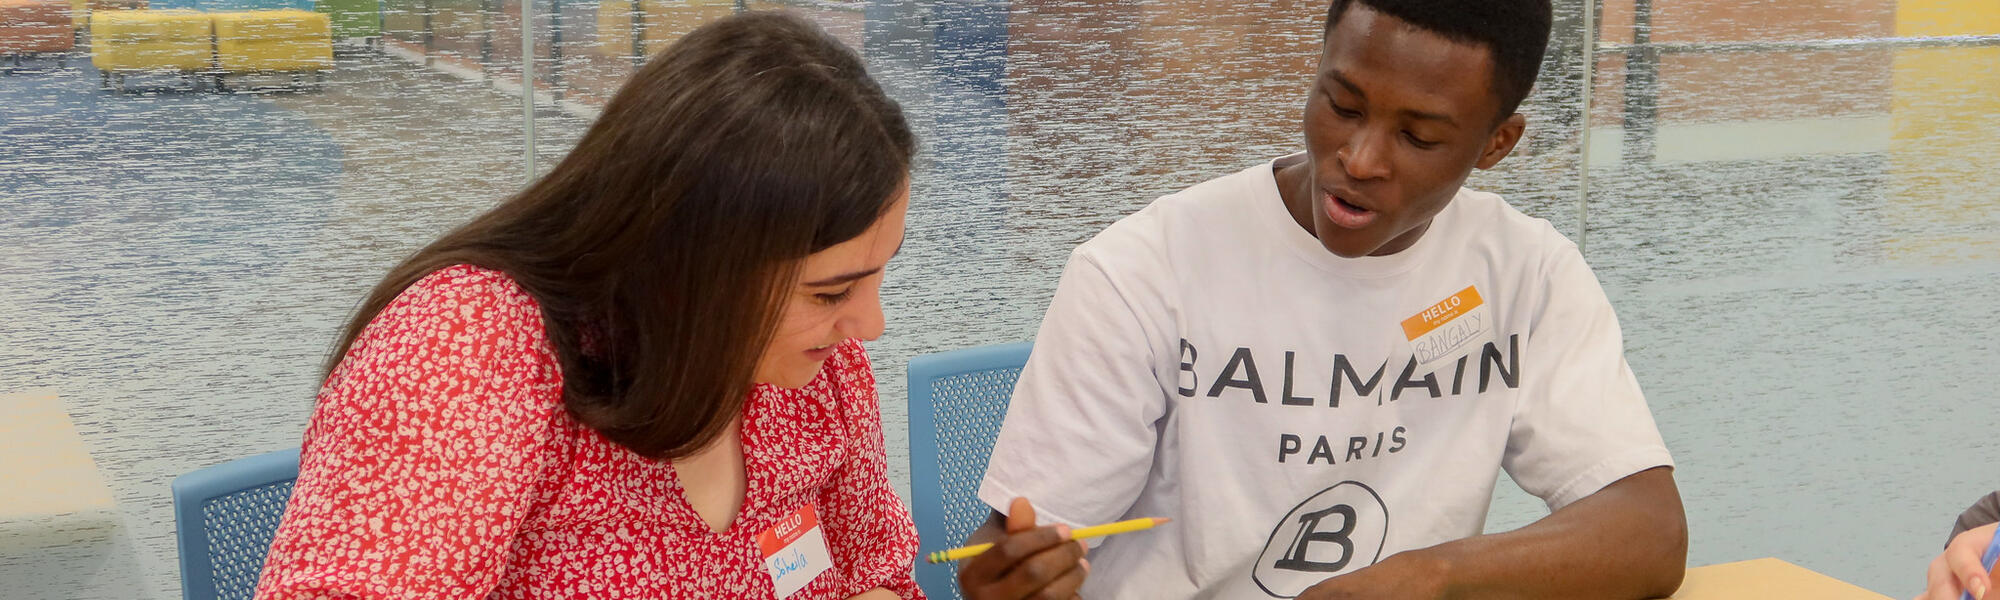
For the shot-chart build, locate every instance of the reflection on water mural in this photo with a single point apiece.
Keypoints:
(583, 49)
(1944, 109)
(1788, 216)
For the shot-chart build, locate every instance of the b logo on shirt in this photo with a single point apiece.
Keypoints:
(1339, 529)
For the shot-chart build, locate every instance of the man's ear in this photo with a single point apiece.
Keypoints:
(1502, 142)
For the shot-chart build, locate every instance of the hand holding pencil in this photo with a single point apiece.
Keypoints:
(1025, 561)
(1127, 526)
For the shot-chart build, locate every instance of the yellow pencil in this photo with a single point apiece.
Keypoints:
(1087, 532)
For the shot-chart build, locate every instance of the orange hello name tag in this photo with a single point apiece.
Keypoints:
(1440, 330)
(794, 551)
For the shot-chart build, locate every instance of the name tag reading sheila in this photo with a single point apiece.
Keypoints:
(794, 551)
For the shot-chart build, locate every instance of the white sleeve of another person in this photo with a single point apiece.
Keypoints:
(1080, 432)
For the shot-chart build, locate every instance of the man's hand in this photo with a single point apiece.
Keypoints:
(1405, 576)
(1025, 562)
(1627, 541)
(1957, 570)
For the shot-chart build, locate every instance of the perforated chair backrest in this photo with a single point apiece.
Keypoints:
(957, 401)
(226, 516)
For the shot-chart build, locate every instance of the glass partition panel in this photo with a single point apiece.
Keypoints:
(188, 219)
(1791, 209)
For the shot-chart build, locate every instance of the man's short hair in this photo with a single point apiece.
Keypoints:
(1515, 31)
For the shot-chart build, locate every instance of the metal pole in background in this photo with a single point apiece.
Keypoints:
(1583, 143)
(430, 41)
(528, 88)
(638, 35)
(488, 10)
(556, 50)
(1642, 88)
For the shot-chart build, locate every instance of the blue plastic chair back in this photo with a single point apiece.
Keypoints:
(226, 516)
(957, 401)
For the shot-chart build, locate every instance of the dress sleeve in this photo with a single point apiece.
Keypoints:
(867, 527)
(1580, 422)
(425, 450)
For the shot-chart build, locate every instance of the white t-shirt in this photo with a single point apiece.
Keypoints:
(1301, 415)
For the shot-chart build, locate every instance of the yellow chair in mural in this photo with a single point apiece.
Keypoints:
(266, 41)
(80, 10)
(128, 41)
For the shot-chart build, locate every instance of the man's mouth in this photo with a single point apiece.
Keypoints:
(1344, 213)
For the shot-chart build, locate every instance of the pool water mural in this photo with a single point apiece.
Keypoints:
(1799, 241)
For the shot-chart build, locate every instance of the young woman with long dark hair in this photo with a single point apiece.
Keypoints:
(642, 376)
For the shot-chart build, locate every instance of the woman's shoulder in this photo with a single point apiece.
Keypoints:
(460, 287)
(851, 378)
(849, 365)
(849, 355)
(459, 310)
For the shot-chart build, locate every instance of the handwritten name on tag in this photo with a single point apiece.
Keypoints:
(1440, 331)
(794, 551)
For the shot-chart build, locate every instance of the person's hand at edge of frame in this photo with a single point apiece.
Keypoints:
(1958, 570)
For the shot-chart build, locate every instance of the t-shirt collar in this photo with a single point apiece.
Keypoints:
(1268, 206)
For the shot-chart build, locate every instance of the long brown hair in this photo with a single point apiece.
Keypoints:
(661, 248)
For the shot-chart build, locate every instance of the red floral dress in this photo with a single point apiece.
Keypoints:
(440, 463)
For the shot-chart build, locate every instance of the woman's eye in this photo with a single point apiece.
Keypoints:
(833, 298)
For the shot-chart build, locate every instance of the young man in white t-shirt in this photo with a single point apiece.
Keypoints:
(1317, 366)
